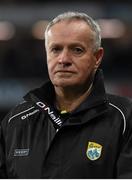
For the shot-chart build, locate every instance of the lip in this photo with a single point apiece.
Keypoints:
(64, 71)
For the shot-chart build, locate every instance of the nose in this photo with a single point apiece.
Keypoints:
(65, 57)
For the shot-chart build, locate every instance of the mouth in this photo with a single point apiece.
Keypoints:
(64, 71)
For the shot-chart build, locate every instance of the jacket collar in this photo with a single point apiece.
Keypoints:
(97, 96)
(94, 106)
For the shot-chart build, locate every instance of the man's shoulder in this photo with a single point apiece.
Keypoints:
(123, 104)
(20, 112)
(119, 99)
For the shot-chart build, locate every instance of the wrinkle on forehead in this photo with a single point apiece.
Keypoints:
(74, 24)
(75, 29)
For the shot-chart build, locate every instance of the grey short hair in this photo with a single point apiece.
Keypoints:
(80, 16)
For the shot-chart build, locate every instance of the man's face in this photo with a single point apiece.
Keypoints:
(71, 59)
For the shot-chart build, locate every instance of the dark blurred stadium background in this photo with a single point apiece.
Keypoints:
(22, 54)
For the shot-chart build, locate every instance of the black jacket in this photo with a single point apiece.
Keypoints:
(94, 141)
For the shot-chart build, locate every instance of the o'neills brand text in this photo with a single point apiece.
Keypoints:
(29, 114)
(43, 106)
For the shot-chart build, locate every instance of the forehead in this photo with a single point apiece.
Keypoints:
(71, 29)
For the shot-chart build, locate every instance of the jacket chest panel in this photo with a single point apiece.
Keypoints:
(36, 149)
(27, 146)
(81, 150)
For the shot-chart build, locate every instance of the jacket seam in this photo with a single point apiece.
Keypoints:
(124, 118)
(20, 113)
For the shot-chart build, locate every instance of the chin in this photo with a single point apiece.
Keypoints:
(67, 85)
(63, 83)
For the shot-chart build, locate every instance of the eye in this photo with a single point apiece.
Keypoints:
(56, 49)
(78, 50)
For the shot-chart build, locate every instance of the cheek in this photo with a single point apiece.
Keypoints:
(50, 64)
(51, 68)
(87, 68)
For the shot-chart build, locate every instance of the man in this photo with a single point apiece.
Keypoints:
(70, 127)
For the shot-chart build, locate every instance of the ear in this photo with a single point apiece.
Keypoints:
(98, 57)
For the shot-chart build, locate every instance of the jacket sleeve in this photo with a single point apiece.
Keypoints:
(124, 163)
(2, 156)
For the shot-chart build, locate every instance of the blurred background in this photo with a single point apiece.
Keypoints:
(22, 53)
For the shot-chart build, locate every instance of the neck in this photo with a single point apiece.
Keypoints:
(68, 99)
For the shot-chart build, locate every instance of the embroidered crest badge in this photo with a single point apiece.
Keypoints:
(93, 151)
